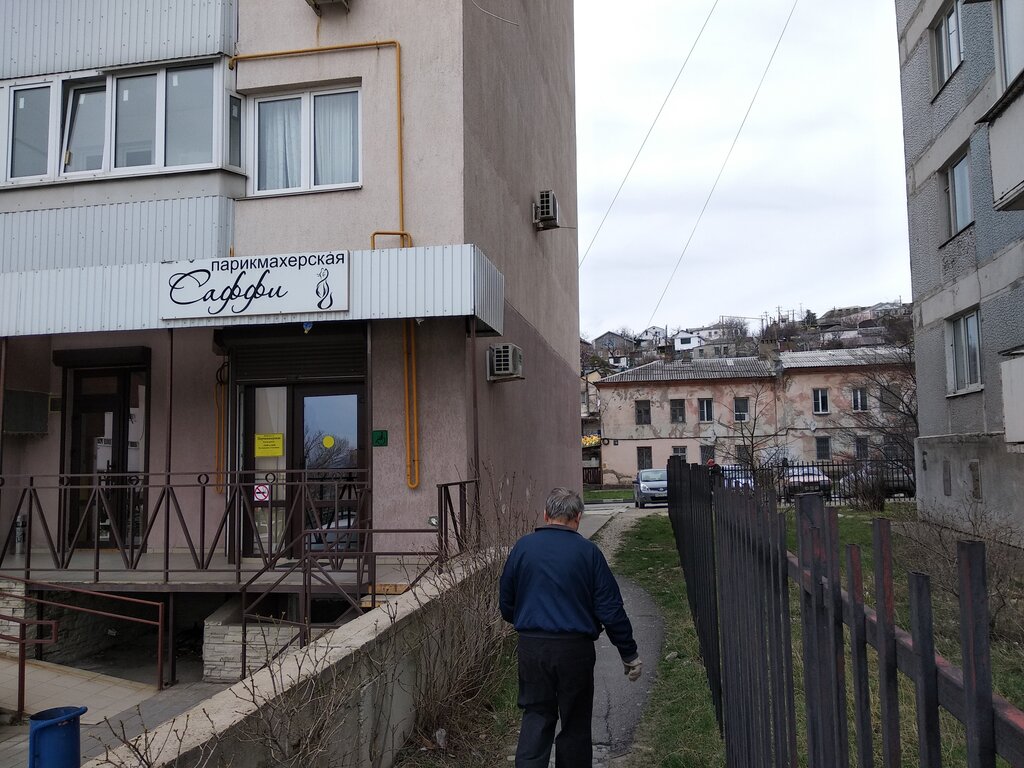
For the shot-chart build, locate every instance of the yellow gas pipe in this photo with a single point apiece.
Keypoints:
(412, 427)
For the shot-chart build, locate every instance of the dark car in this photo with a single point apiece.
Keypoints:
(650, 486)
(896, 479)
(804, 480)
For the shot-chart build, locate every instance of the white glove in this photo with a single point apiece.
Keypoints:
(632, 669)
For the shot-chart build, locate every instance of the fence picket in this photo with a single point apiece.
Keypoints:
(859, 658)
(974, 646)
(926, 676)
(885, 643)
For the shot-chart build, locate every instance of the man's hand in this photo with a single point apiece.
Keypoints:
(633, 669)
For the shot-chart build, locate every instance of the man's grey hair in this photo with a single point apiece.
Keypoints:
(563, 505)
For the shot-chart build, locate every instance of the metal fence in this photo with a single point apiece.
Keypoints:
(732, 546)
(838, 481)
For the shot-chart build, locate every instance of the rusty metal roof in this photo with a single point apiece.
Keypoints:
(701, 369)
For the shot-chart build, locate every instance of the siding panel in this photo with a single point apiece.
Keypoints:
(435, 281)
(47, 36)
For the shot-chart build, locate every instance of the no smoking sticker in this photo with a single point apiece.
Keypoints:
(261, 493)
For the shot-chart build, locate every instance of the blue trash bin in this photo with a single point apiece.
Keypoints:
(53, 738)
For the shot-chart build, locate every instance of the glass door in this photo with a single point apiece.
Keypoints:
(106, 458)
(303, 445)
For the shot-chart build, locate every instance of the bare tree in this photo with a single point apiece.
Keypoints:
(754, 439)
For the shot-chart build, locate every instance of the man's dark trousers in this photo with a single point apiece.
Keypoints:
(556, 682)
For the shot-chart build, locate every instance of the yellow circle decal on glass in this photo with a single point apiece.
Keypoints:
(328, 441)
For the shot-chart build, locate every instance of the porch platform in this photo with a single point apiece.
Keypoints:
(180, 574)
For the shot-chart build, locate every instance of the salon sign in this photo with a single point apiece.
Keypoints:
(255, 285)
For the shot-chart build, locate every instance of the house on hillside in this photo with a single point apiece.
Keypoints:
(962, 70)
(617, 349)
(267, 276)
(800, 406)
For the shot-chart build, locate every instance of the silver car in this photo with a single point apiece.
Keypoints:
(650, 486)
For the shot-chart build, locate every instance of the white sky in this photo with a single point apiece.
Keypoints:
(811, 211)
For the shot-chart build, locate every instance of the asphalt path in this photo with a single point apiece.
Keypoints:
(618, 703)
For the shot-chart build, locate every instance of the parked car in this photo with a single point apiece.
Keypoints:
(895, 478)
(804, 480)
(650, 486)
(737, 476)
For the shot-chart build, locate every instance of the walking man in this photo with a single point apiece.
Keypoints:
(559, 593)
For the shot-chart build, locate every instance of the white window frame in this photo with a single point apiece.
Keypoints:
(710, 407)
(1001, 43)
(952, 385)
(54, 130)
(306, 101)
(953, 191)
(859, 399)
(741, 415)
(817, 400)
(85, 85)
(946, 60)
(69, 82)
(225, 133)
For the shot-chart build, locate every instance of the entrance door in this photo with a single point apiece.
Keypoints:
(107, 454)
(304, 445)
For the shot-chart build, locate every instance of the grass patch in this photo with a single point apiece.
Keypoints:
(678, 729)
(615, 494)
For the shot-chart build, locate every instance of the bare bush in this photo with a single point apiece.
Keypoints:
(930, 544)
(152, 748)
(866, 491)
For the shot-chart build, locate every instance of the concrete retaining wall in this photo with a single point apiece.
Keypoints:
(373, 667)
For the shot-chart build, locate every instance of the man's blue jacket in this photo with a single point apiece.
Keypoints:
(556, 582)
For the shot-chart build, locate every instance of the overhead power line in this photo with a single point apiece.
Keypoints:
(726, 161)
(649, 131)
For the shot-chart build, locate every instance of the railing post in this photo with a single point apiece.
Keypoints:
(975, 654)
(21, 669)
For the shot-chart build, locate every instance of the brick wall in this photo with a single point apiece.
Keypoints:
(11, 606)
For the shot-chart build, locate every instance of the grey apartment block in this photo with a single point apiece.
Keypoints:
(962, 70)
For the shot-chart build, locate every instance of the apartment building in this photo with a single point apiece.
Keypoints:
(962, 69)
(801, 406)
(274, 266)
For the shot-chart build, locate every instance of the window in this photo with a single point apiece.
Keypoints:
(189, 116)
(679, 450)
(644, 459)
(677, 409)
(948, 43)
(707, 452)
(139, 123)
(862, 448)
(823, 448)
(705, 409)
(889, 399)
(741, 408)
(821, 401)
(744, 455)
(307, 141)
(965, 350)
(30, 131)
(1011, 32)
(643, 411)
(85, 132)
(860, 398)
(958, 195)
(135, 121)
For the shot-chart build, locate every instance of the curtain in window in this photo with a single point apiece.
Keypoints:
(280, 144)
(335, 138)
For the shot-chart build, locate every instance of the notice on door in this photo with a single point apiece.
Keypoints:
(269, 444)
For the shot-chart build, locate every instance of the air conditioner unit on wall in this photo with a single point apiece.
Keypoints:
(317, 9)
(545, 212)
(504, 362)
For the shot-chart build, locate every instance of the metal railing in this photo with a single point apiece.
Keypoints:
(732, 546)
(71, 523)
(23, 641)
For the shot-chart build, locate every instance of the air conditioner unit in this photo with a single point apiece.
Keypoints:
(545, 212)
(504, 362)
(316, 5)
